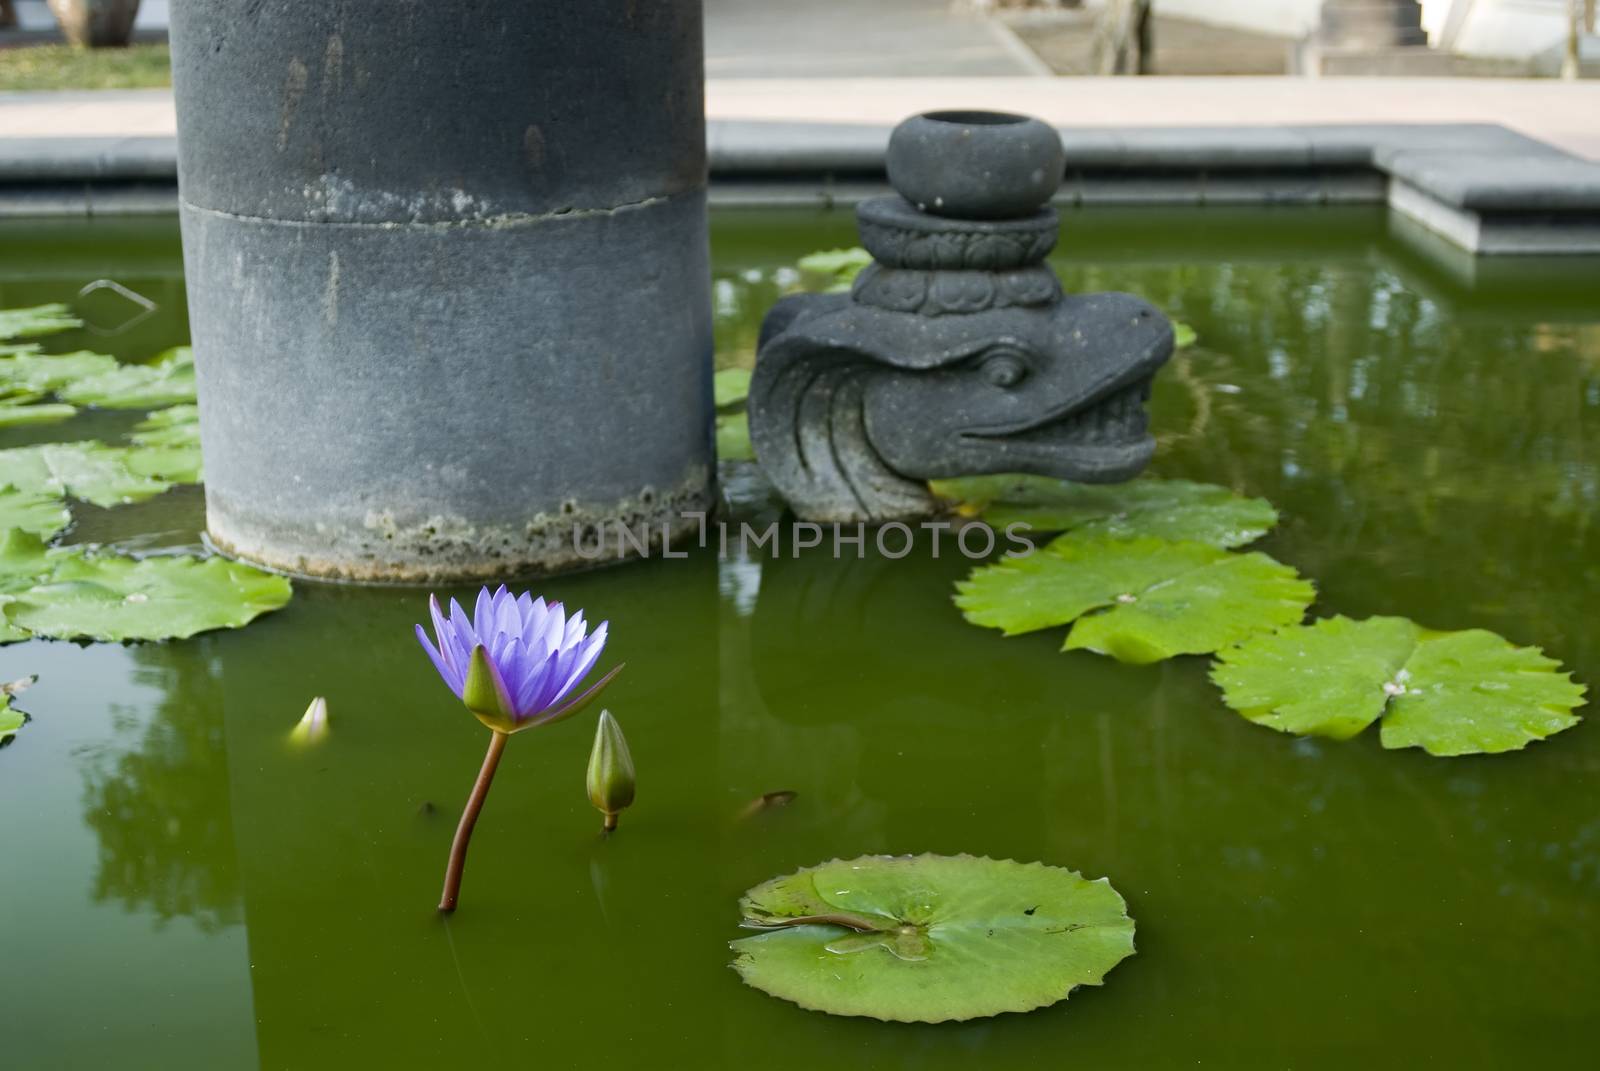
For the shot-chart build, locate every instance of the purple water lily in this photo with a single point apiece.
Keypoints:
(513, 665)
(532, 656)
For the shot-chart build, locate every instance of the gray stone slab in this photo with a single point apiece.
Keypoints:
(742, 147)
(1498, 234)
(1497, 182)
(1478, 167)
(88, 159)
(1199, 149)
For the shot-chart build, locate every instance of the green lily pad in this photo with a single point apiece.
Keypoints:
(39, 512)
(178, 425)
(1167, 509)
(930, 938)
(732, 386)
(168, 380)
(11, 719)
(89, 471)
(24, 562)
(13, 415)
(1137, 600)
(1183, 336)
(168, 445)
(733, 437)
(177, 464)
(109, 597)
(30, 374)
(839, 266)
(24, 558)
(36, 321)
(1449, 693)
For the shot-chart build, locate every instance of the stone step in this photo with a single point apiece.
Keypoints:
(1371, 23)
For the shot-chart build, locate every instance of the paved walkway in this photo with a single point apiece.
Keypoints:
(1561, 113)
(859, 39)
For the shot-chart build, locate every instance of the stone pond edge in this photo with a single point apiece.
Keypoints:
(1482, 187)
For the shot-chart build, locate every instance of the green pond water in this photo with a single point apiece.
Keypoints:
(182, 888)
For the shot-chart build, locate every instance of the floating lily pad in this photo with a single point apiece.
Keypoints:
(13, 415)
(733, 437)
(39, 512)
(177, 464)
(109, 597)
(1183, 336)
(839, 266)
(168, 380)
(24, 557)
(1449, 693)
(11, 719)
(76, 593)
(36, 321)
(929, 938)
(24, 562)
(30, 374)
(175, 426)
(1167, 509)
(1138, 600)
(732, 386)
(89, 471)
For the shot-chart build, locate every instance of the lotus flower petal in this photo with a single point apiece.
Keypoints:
(517, 655)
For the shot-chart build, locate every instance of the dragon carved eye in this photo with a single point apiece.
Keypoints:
(1004, 368)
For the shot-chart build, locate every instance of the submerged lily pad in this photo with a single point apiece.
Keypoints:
(732, 386)
(168, 380)
(109, 597)
(36, 321)
(89, 471)
(930, 938)
(1167, 509)
(1449, 693)
(1138, 600)
(39, 512)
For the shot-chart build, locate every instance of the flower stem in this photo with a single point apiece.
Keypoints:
(469, 818)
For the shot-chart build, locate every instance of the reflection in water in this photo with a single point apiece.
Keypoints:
(159, 801)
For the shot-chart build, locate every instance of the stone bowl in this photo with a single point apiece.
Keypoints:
(976, 165)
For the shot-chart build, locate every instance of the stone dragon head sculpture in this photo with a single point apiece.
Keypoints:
(956, 352)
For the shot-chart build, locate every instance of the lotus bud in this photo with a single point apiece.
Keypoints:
(313, 725)
(485, 693)
(610, 780)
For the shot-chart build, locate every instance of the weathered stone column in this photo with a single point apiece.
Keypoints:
(447, 276)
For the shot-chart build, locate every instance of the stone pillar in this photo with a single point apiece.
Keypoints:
(447, 276)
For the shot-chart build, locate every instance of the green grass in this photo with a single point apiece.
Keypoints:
(64, 67)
